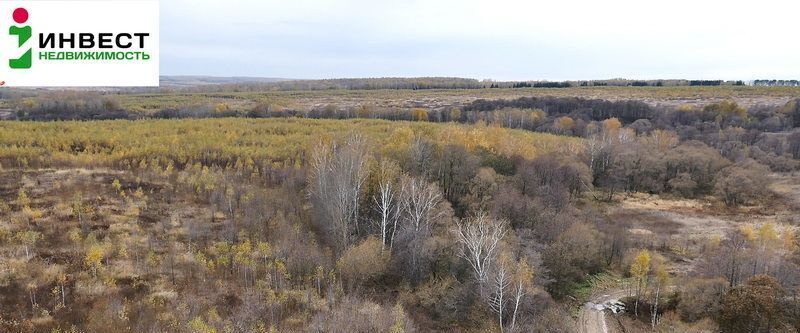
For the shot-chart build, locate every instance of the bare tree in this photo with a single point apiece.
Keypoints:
(661, 279)
(420, 199)
(479, 237)
(421, 156)
(387, 203)
(598, 146)
(338, 174)
(601, 148)
(501, 280)
(522, 285)
(421, 206)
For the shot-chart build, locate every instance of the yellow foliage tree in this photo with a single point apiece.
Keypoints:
(197, 325)
(94, 258)
(661, 140)
(419, 114)
(399, 325)
(23, 200)
(662, 279)
(639, 270)
(612, 126)
(455, 114)
(220, 107)
(767, 234)
(726, 110)
(790, 243)
(748, 233)
(564, 124)
(28, 239)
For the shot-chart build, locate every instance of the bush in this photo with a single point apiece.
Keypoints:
(683, 185)
(354, 315)
(741, 183)
(754, 307)
(362, 262)
(700, 299)
(573, 255)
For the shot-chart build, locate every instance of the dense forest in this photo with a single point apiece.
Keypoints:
(494, 215)
(763, 133)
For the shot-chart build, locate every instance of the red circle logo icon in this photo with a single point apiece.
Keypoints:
(20, 15)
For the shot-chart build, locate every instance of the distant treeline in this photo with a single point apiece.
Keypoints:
(71, 106)
(439, 83)
(349, 84)
(422, 83)
(616, 83)
(596, 109)
(776, 83)
(544, 84)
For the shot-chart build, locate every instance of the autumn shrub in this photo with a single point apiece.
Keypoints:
(699, 298)
(757, 306)
(573, 255)
(362, 262)
(741, 183)
(355, 315)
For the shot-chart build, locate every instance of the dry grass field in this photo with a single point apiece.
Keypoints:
(438, 98)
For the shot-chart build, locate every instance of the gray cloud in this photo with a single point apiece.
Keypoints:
(501, 39)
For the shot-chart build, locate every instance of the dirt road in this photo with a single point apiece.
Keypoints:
(592, 316)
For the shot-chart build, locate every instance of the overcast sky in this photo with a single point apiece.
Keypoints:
(488, 39)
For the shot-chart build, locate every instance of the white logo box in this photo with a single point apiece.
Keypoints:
(87, 16)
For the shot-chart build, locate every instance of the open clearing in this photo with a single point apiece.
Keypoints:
(685, 224)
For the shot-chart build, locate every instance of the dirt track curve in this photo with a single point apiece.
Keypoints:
(592, 316)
